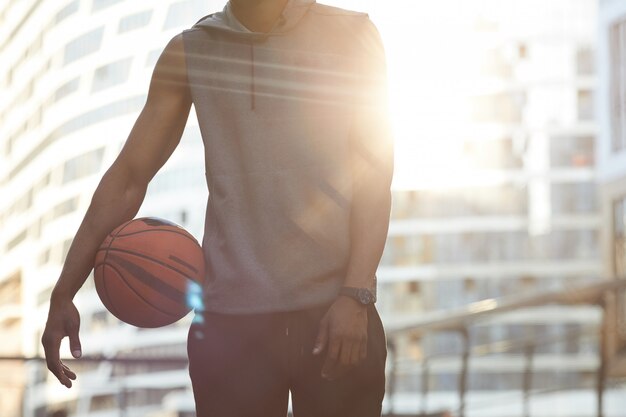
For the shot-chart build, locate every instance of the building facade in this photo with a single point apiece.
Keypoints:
(74, 77)
(521, 217)
(611, 154)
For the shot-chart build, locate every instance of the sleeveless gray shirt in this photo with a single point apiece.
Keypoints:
(275, 113)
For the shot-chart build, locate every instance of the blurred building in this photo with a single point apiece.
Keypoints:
(12, 372)
(523, 218)
(611, 153)
(74, 76)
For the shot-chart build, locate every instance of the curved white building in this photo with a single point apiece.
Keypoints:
(74, 77)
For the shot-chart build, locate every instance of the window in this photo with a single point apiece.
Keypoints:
(42, 183)
(492, 154)
(67, 89)
(147, 396)
(109, 111)
(22, 204)
(585, 105)
(584, 61)
(170, 180)
(98, 115)
(44, 258)
(65, 207)
(16, 240)
(577, 151)
(82, 166)
(99, 321)
(111, 74)
(103, 402)
(35, 119)
(11, 290)
(34, 47)
(573, 244)
(501, 107)
(102, 4)
(493, 63)
(618, 85)
(83, 45)
(497, 200)
(574, 198)
(66, 12)
(184, 13)
(134, 21)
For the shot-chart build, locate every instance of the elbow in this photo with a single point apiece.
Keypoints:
(122, 187)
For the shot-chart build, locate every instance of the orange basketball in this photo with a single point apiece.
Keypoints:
(149, 272)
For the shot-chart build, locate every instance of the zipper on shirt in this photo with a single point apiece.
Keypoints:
(252, 78)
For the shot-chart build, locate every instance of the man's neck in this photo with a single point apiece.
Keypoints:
(258, 15)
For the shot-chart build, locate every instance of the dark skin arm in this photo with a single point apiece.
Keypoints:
(343, 329)
(119, 195)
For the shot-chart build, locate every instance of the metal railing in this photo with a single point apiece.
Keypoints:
(460, 322)
(602, 294)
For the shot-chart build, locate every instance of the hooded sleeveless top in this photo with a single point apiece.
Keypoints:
(275, 112)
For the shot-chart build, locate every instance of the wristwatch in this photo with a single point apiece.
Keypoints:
(362, 295)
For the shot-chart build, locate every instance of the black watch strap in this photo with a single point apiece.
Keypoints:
(362, 295)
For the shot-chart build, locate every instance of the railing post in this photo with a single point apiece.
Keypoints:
(122, 399)
(464, 370)
(529, 354)
(425, 385)
(602, 359)
(391, 347)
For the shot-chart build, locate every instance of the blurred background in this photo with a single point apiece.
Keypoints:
(502, 282)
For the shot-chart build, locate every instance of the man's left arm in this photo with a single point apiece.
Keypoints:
(343, 330)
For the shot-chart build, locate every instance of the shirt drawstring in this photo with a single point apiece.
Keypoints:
(252, 80)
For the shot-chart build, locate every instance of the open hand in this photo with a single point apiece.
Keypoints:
(63, 320)
(343, 331)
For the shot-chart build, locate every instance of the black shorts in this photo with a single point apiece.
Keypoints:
(244, 365)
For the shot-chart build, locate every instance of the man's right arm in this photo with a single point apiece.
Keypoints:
(119, 195)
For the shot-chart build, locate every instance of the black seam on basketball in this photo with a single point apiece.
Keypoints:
(193, 239)
(150, 279)
(183, 263)
(106, 292)
(122, 229)
(141, 255)
(138, 294)
(106, 253)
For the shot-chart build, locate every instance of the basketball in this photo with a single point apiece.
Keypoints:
(148, 272)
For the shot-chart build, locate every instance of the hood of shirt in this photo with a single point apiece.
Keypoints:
(225, 21)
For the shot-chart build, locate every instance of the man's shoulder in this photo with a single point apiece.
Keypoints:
(194, 33)
(326, 10)
(351, 25)
(342, 21)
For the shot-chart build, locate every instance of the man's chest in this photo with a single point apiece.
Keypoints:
(279, 73)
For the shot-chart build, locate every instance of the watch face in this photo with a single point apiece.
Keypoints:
(365, 296)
